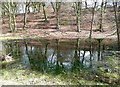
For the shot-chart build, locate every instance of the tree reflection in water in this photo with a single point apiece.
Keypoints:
(55, 56)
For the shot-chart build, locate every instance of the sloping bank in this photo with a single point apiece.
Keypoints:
(56, 35)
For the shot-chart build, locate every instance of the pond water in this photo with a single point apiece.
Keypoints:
(65, 56)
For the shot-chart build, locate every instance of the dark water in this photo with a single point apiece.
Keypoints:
(59, 56)
(47, 55)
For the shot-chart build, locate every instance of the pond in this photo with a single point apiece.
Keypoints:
(72, 60)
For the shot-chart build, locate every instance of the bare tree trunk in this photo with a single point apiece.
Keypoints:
(118, 30)
(105, 6)
(78, 14)
(57, 17)
(15, 24)
(1, 18)
(58, 5)
(11, 8)
(117, 22)
(44, 11)
(3, 12)
(25, 19)
(28, 8)
(101, 18)
(53, 6)
(86, 4)
(93, 13)
(10, 17)
(14, 17)
(39, 5)
(35, 5)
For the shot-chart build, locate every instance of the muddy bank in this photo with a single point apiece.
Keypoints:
(58, 34)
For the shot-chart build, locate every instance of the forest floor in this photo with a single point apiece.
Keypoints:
(57, 34)
(37, 27)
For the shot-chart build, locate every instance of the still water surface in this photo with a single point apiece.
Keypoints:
(43, 54)
(64, 55)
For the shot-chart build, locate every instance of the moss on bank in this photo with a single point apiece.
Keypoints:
(30, 77)
(19, 73)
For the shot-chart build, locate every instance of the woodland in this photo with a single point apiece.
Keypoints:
(55, 43)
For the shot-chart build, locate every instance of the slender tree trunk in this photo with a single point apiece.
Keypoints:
(39, 7)
(101, 18)
(14, 16)
(57, 16)
(34, 6)
(78, 13)
(44, 11)
(14, 6)
(86, 4)
(117, 23)
(53, 6)
(13, 9)
(93, 13)
(118, 30)
(10, 17)
(1, 20)
(25, 19)
(3, 12)
(28, 9)
(58, 5)
(15, 24)
(105, 6)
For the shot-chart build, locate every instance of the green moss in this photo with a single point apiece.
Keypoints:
(85, 82)
(101, 69)
(111, 75)
(115, 75)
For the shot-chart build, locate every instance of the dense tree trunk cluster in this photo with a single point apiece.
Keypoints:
(10, 10)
